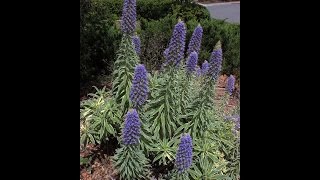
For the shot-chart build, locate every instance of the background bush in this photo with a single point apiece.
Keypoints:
(100, 35)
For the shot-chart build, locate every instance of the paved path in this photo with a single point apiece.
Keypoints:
(229, 11)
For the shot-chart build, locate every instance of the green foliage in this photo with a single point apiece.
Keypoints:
(165, 150)
(233, 166)
(161, 109)
(146, 134)
(183, 88)
(174, 175)
(197, 110)
(203, 169)
(99, 118)
(189, 12)
(124, 66)
(153, 9)
(99, 38)
(131, 163)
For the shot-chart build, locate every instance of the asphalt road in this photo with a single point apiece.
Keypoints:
(228, 11)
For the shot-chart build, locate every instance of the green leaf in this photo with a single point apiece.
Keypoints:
(163, 125)
(157, 158)
(91, 138)
(110, 129)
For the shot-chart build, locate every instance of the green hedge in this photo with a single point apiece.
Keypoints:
(100, 36)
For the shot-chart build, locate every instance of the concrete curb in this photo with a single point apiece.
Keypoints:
(218, 4)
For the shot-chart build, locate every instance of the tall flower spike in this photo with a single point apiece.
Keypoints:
(184, 153)
(129, 16)
(230, 84)
(165, 55)
(204, 68)
(215, 61)
(195, 41)
(177, 44)
(136, 42)
(139, 88)
(132, 125)
(192, 62)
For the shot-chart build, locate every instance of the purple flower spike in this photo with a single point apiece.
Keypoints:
(184, 153)
(215, 62)
(129, 17)
(131, 130)
(204, 68)
(195, 41)
(140, 86)
(192, 62)
(230, 84)
(165, 55)
(136, 42)
(177, 44)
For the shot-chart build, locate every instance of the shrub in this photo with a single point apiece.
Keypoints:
(99, 38)
(99, 118)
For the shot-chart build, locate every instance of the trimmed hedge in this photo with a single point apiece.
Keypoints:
(100, 36)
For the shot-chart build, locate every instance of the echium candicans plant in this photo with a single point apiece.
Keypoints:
(129, 16)
(137, 43)
(166, 61)
(175, 52)
(190, 68)
(140, 86)
(184, 80)
(204, 68)
(197, 110)
(129, 159)
(162, 108)
(183, 160)
(195, 41)
(230, 84)
(138, 95)
(126, 59)
(215, 62)
(184, 153)
(191, 63)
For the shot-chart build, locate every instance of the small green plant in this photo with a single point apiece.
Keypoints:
(165, 151)
(99, 118)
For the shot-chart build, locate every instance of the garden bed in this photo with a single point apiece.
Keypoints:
(100, 166)
(181, 122)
